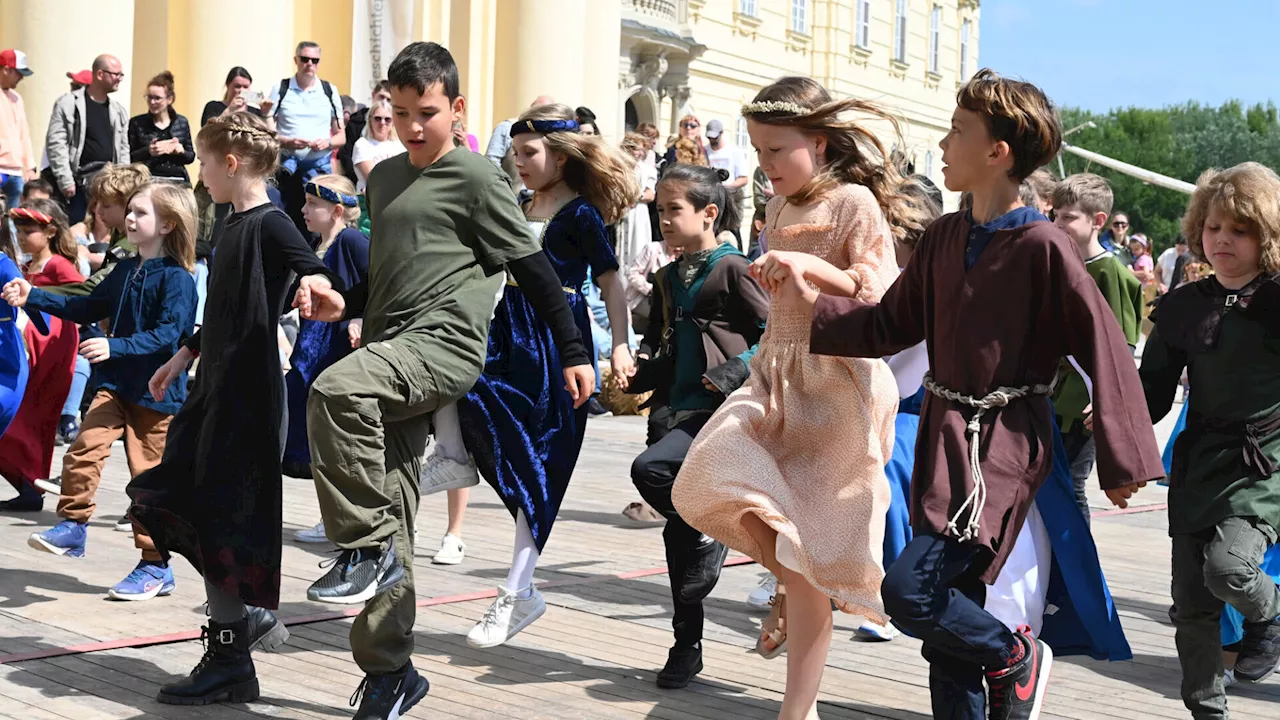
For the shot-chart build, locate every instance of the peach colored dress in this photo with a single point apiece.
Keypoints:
(804, 442)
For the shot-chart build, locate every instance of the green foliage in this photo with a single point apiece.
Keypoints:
(1181, 141)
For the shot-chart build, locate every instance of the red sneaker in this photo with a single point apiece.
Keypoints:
(1017, 692)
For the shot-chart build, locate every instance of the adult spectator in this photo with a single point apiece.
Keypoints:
(586, 121)
(378, 144)
(161, 138)
(761, 193)
(650, 133)
(691, 131)
(87, 130)
(1166, 263)
(1116, 238)
(500, 142)
(307, 114)
(355, 128)
(79, 79)
(463, 138)
(723, 156)
(235, 98)
(17, 159)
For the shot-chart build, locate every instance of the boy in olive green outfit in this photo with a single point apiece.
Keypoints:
(444, 223)
(1081, 205)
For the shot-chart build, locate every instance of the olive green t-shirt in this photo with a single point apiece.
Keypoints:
(440, 238)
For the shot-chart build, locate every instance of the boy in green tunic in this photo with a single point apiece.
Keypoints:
(1224, 494)
(1081, 206)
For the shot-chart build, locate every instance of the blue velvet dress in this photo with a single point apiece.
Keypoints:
(321, 344)
(518, 421)
(13, 352)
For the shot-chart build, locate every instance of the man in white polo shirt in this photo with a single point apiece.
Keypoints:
(307, 113)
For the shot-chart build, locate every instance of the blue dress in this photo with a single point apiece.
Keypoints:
(518, 421)
(320, 345)
(13, 352)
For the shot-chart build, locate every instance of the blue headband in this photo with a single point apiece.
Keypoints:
(543, 127)
(332, 195)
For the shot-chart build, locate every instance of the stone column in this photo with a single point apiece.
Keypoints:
(222, 36)
(601, 65)
(542, 50)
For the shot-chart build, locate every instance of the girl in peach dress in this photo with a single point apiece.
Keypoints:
(790, 470)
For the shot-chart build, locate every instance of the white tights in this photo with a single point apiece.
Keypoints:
(524, 558)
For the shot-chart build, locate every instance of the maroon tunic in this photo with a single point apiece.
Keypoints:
(1008, 321)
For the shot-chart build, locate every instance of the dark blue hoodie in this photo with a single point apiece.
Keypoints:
(151, 305)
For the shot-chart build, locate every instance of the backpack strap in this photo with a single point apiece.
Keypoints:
(328, 93)
(284, 90)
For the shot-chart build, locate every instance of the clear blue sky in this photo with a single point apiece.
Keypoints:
(1104, 54)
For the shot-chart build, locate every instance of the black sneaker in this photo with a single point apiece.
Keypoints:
(703, 571)
(266, 632)
(1259, 651)
(357, 575)
(1017, 692)
(683, 663)
(389, 696)
(595, 409)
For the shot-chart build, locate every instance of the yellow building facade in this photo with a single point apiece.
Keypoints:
(630, 61)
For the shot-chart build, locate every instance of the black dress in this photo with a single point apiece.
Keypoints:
(215, 497)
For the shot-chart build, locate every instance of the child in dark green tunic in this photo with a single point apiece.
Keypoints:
(1224, 495)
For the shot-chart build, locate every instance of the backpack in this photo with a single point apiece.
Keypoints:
(324, 84)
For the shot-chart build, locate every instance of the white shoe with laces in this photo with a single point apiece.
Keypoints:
(506, 617)
(53, 485)
(452, 551)
(440, 473)
(760, 597)
(312, 534)
(124, 524)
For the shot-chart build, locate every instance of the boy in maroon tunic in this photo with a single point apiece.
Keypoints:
(1001, 296)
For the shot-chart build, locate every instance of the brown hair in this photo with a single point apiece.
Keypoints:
(599, 173)
(648, 130)
(163, 80)
(1043, 184)
(115, 184)
(854, 155)
(1091, 192)
(62, 243)
(1018, 114)
(688, 153)
(245, 136)
(634, 141)
(342, 186)
(1250, 193)
(174, 204)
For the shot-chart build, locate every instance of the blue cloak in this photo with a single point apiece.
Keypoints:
(13, 352)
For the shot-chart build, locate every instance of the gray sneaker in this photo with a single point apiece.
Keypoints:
(442, 473)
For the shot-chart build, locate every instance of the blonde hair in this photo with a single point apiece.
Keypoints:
(634, 141)
(599, 173)
(1250, 193)
(1092, 193)
(177, 205)
(368, 125)
(115, 184)
(688, 152)
(62, 243)
(342, 186)
(854, 155)
(247, 137)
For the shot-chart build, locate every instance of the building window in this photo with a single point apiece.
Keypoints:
(935, 39)
(928, 163)
(741, 138)
(900, 31)
(965, 28)
(799, 19)
(862, 24)
(748, 7)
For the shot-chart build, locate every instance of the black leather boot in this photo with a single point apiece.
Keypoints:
(266, 632)
(224, 674)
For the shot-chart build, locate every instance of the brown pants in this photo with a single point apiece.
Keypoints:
(109, 418)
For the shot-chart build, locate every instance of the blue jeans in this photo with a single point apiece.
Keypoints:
(11, 187)
(308, 167)
(294, 173)
(78, 383)
(934, 591)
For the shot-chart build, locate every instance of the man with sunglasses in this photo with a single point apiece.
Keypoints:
(87, 130)
(307, 114)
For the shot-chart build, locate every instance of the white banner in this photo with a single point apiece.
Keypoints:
(379, 30)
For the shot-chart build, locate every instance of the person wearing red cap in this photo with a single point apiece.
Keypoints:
(79, 79)
(17, 159)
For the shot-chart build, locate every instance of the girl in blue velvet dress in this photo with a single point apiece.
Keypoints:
(519, 422)
(13, 350)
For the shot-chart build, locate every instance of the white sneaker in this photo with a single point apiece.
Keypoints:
(1228, 677)
(760, 597)
(873, 632)
(506, 617)
(442, 473)
(312, 534)
(53, 485)
(452, 551)
(124, 524)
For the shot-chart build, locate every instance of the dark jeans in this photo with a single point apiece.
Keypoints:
(934, 591)
(1082, 451)
(1210, 569)
(653, 473)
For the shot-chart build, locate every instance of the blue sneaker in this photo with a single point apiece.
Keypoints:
(67, 538)
(145, 582)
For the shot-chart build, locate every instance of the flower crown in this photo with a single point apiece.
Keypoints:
(773, 106)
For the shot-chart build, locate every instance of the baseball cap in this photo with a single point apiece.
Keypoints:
(714, 129)
(83, 77)
(15, 59)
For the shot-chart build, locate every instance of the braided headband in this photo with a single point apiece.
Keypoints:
(333, 196)
(22, 214)
(543, 127)
(774, 106)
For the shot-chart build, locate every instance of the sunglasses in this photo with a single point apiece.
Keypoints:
(381, 119)
(689, 125)
(1119, 224)
(308, 60)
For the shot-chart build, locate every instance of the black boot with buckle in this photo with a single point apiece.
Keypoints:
(224, 674)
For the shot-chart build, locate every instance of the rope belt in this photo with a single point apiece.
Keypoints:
(993, 400)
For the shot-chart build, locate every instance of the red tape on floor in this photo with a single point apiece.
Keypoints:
(148, 640)
(1131, 510)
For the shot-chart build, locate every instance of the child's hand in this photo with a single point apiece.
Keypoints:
(791, 289)
(16, 292)
(706, 383)
(354, 328)
(317, 300)
(624, 366)
(580, 381)
(1088, 417)
(1120, 496)
(169, 372)
(95, 350)
(773, 267)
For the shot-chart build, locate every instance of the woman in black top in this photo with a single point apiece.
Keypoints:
(233, 100)
(161, 138)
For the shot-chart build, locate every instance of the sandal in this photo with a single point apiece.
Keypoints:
(774, 628)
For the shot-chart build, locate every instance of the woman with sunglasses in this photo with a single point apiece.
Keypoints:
(378, 143)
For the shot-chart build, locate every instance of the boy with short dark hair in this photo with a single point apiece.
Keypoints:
(988, 415)
(1081, 205)
(445, 223)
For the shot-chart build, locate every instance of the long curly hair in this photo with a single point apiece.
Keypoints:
(601, 174)
(853, 155)
(1248, 192)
